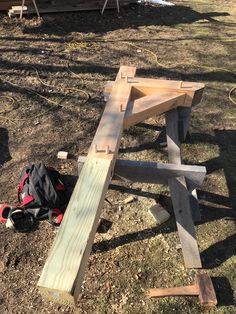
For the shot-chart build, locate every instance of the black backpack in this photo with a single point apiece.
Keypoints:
(42, 187)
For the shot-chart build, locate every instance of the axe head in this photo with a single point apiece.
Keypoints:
(207, 296)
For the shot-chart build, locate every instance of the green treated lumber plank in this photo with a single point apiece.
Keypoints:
(64, 269)
(180, 197)
(62, 275)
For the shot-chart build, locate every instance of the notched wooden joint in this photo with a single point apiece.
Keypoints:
(105, 149)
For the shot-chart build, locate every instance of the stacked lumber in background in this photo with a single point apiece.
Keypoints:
(7, 4)
(50, 6)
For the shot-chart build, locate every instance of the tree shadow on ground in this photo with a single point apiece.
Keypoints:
(132, 16)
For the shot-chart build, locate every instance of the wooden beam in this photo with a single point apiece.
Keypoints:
(148, 106)
(152, 172)
(180, 197)
(144, 86)
(63, 272)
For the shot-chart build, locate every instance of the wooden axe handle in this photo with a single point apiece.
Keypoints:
(164, 292)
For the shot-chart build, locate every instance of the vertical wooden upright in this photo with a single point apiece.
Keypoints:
(180, 196)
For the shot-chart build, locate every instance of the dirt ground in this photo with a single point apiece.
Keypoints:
(52, 76)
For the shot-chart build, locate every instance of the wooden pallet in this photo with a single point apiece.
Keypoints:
(130, 101)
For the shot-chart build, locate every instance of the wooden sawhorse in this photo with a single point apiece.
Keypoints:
(130, 100)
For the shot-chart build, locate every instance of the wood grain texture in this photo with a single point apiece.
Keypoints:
(64, 269)
(63, 272)
(180, 196)
(145, 86)
(152, 172)
(151, 105)
(172, 134)
(184, 222)
(175, 291)
(111, 124)
(184, 115)
(207, 295)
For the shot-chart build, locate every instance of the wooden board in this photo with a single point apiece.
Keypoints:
(175, 291)
(145, 86)
(154, 173)
(64, 269)
(193, 90)
(151, 105)
(184, 222)
(180, 197)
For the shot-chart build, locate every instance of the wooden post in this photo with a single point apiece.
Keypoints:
(180, 196)
(184, 115)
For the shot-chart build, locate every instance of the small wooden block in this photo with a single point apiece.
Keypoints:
(129, 199)
(19, 8)
(62, 155)
(159, 213)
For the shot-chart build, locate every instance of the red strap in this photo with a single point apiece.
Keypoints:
(60, 187)
(57, 212)
(26, 176)
(27, 200)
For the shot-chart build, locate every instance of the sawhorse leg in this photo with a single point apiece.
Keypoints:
(180, 196)
(184, 116)
(105, 4)
(35, 6)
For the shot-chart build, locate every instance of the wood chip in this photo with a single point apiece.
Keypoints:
(62, 155)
